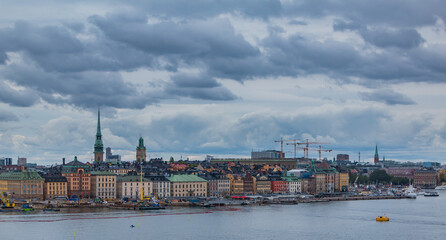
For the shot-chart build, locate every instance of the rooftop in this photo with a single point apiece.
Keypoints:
(186, 178)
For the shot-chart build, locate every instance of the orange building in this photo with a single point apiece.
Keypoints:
(78, 178)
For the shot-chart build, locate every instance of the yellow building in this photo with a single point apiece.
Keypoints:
(263, 185)
(187, 186)
(343, 181)
(26, 184)
(55, 186)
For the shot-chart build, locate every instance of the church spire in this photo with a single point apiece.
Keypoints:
(376, 155)
(98, 146)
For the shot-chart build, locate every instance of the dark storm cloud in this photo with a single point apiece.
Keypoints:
(397, 13)
(209, 8)
(7, 116)
(199, 86)
(20, 98)
(85, 89)
(382, 37)
(75, 63)
(192, 40)
(387, 96)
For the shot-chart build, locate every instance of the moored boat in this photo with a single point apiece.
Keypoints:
(383, 218)
(431, 194)
(440, 187)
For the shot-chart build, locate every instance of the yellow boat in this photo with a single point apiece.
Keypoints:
(382, 219)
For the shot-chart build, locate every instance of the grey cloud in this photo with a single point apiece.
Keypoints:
(199, 87)
(297, 22)
(191, 39)
(387, 96)
(6, 116)
(404, 38)
(85, 89)
(204, 8)
(20, 98)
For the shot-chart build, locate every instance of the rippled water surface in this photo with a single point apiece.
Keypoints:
(422, 218)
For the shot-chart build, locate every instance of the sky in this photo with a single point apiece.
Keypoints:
(222, 77)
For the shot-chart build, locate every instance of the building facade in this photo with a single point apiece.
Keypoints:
(425, 178)
(103, 185)
(130, 187)
(26, 184)
(78, 178)
(55, 186)
(187, 186)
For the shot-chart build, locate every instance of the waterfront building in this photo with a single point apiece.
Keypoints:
(55, 186)
(321, 185)
(341, 181)
(27, 184)
(309, 185)
(425, 178)
(278, 186)
(402, 172)
(187, 186)
(161, 186)
(78, 178)
(263, 185)
(129, 186)
(141, 151)
(103, 185)
(293, 184)
(98, 146)
(236, 184)
(249, 184)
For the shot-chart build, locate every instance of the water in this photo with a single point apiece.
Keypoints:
(421, 218)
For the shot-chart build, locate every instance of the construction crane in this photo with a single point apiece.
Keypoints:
(320, 150)
(5, 201)
(281, 146)
(295, 143)
(307, 149)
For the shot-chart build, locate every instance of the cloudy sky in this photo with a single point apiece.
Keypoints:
(222, 77)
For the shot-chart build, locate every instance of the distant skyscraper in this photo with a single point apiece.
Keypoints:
(98, 146)
(376, 155)
(141, 151)
(21, 161)
(108, 153)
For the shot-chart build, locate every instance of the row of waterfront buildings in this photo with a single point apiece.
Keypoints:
(169, 180)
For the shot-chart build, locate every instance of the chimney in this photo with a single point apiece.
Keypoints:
(63, 161)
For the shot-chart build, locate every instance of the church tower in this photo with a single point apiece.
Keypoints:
(376, 155)
(141, 151)
(98, 146)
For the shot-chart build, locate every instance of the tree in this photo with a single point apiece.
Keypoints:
(400, 181)
(380, 176)
(171, 159)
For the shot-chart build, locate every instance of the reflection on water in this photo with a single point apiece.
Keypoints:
(422, 218)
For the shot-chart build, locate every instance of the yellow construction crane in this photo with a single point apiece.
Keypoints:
(281, 146)
(307, 149)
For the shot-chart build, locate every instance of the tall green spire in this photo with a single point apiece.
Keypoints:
(141, 144)
(376, 150)
(98, 146)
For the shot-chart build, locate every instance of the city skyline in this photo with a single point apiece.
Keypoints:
(222, 78)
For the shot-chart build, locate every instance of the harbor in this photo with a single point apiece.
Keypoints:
(421, 218)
